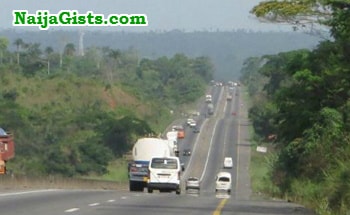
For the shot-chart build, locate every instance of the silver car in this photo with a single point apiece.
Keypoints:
(193, 183)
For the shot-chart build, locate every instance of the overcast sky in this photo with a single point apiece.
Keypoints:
(186, 15)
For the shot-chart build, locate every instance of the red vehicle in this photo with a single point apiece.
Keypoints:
(7, 149)
(180, 131)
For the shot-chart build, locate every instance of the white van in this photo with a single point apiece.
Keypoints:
(164, 174)
(228, 163)
(223, 182)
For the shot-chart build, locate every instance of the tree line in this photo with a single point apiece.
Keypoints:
(74, 112)
(301, 98)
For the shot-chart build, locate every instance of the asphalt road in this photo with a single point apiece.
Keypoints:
(223, 134)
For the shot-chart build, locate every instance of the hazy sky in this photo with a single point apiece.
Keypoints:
(187, 15)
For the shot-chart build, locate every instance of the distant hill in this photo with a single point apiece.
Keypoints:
(227, 50)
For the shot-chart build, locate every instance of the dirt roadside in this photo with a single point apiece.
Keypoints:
(15, 183)
(244, 190)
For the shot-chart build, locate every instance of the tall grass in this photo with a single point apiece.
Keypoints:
(117, 171)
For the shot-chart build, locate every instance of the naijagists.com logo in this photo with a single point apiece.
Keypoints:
(44, 19)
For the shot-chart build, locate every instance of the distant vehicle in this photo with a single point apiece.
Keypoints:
(193, 183)
(186, 152)
(180, 131)
(196, 129)
(208, 98)
(193, 113)
(190, 122)
(164, 174)
(172, 136)
(229, 97)
(181, 134)
(210, 109)
(223, 182)
(177, 127)
(228, 163)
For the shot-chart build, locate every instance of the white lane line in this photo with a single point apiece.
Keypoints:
(71, 210)
(111, 200)
(209, 151)
(211, 141)
(124, 197)
(94, 204)
(27, 192)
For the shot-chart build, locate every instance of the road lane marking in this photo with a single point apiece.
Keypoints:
(111, 200)
(194, 150)
(27, 192)
(220, 207)
(71, 210)
(94, 204)
(211, 140)
(209, 151)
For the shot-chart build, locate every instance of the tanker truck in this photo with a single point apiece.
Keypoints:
(172, 137)
(143, 150)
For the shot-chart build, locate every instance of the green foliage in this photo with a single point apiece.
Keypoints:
(118, 134)
(262, 117)
(282, 9)
(73, 116)
(306, 97)
(338, 188)
(251, 77)
(177, 80)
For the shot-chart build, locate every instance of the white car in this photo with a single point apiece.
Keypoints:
(193, 183)
(223, 182)
(208, 98)
(228, 163)
(191, 122)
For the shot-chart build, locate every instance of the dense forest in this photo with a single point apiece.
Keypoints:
(228, 50)
(301, 106)
(72, 114)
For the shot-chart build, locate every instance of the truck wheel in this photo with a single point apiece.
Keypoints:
(178, 192)
(149, 190)
(140, 187)
(132, 186)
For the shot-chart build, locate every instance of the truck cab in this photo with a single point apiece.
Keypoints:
(7, 149)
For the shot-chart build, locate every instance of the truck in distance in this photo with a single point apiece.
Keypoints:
(210, 109)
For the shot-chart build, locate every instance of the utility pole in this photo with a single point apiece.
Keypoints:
(81, 42)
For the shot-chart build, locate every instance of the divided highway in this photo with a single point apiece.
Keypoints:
(222, 134)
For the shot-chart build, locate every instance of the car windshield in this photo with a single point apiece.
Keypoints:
(164, 163)
(224, 179)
